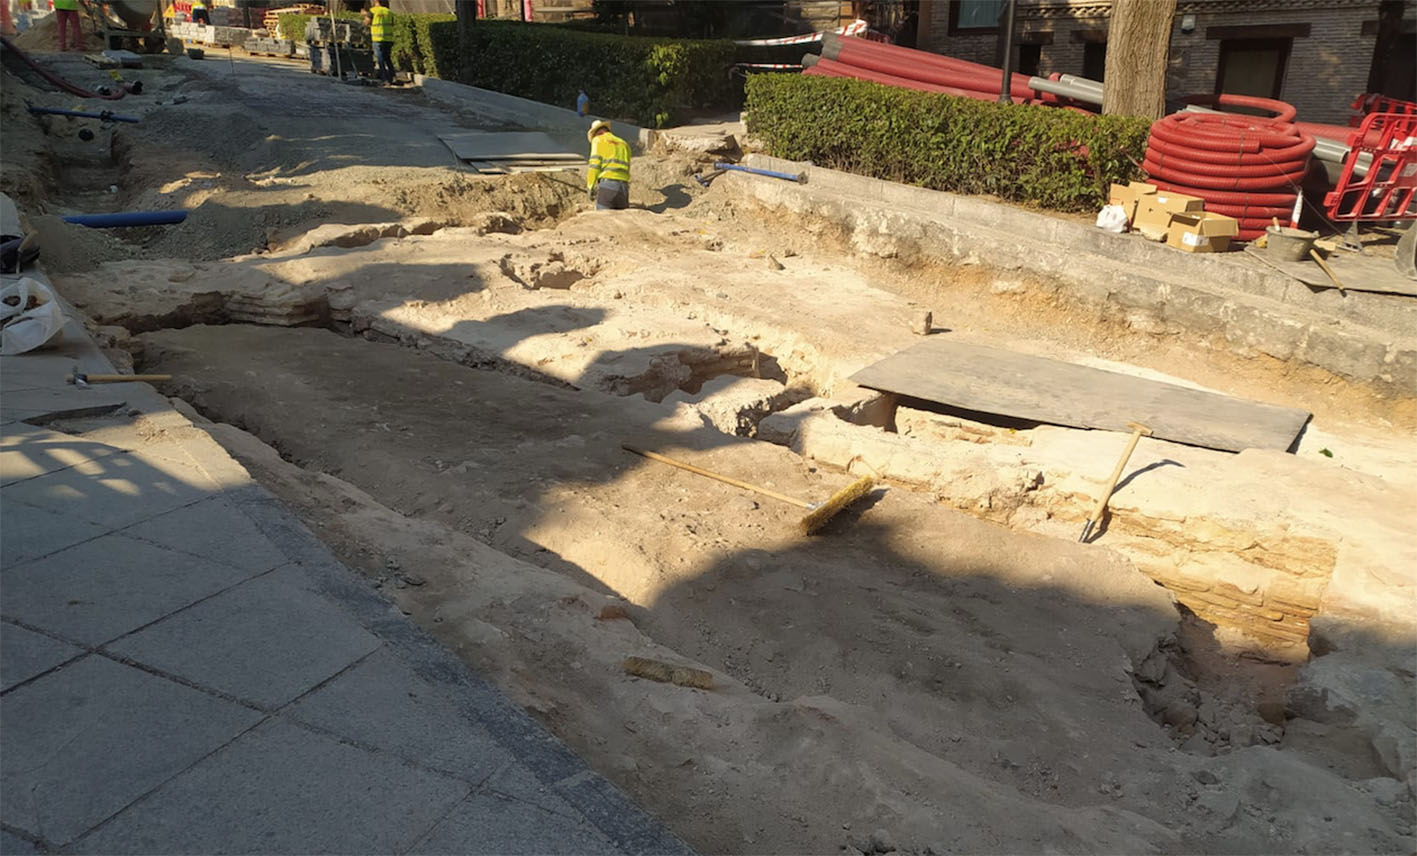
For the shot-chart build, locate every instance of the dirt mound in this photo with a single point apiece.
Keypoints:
(65, 248)
(24, 170)
(229, 138)
(43, 35)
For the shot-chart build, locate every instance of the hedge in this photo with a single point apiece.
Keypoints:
(292, 26)
(413, 45)
(651, 81)
(1045, 156)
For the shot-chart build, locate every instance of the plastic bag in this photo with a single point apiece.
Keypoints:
(30, 315)
(1113, 218)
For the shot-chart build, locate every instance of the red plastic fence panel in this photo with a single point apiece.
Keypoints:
(1389, 189)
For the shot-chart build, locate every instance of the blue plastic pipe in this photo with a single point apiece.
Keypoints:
(128, 218)
(785, 176)
(106, 115)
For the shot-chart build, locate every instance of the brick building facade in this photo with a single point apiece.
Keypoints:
(1315, 54)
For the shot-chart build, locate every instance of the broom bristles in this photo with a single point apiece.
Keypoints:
(819, 516)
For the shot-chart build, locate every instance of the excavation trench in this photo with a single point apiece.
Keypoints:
(842, 653)
(437, 373)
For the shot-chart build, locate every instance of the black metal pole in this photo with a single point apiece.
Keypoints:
(1007, 86)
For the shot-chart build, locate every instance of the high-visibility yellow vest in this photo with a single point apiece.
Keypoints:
(609, 159)
(379, 24)
(66, 5)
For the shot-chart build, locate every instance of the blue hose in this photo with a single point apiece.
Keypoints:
(128, 218)
(106, 115)
(785, 176)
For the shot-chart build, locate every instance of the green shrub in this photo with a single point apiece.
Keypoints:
(1045, 156)
(650, 81)
(412, 50)
(292, 26)
(437, 38)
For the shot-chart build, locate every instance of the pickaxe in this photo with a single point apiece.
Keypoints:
(78, 378)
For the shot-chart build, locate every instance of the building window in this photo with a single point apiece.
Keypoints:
(975, 16)
(1094, 61)
(1252, 66)
(1029, 58)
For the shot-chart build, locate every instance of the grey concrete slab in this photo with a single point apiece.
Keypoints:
(24, 654)
(381, 703)
(519, 782)
(284, 789)
(213, 529)
(494, 824)
(71, 400)
(116, 491)
(28, 533)
(86, 740)
(27, 451)
(16, 416)
(267, 641)
(101, 589)
(14, 845)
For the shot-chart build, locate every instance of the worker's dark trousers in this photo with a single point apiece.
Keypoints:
(69, 18)
(384, 56)
(610, 193)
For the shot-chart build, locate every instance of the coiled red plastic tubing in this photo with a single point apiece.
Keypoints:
(1246, 167)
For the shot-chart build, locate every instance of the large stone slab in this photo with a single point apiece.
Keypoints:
(982, 379)
(114, 491)
(25, 654)
(268, 641)
(103, 588)
(380, 703)
(285, 789)
(212, 529)
(27, 451)
(31, 533)
(493, 824)
(87, 740)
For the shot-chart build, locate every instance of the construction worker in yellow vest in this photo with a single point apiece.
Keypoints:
(199, 13)
(381, 34)
(66, 12)
(608, 179)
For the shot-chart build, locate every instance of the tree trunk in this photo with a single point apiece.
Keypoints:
(1138, 46)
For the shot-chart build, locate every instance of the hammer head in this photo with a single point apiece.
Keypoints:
(77, 378)
(1139, 428)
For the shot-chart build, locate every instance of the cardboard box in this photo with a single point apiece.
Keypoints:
(1128, 195)
(1154, 212)
(1201, 232)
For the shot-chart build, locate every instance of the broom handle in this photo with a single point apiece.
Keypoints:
(654, 456)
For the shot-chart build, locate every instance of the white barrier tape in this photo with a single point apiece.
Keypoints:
(775, 65)
(855, 28)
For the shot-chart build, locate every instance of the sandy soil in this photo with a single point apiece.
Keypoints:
(916, 679)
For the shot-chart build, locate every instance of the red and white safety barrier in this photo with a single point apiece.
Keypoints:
(855, 28)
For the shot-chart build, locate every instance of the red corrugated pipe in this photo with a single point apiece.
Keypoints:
(1246, 167)
(820, 67)
(927, 67)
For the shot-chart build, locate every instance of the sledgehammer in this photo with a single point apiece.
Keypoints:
(78, 378)
(1138, 430)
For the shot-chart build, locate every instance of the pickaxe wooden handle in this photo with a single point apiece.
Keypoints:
(1138, 430)
(78, 377)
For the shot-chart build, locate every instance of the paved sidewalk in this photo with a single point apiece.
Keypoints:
(185, 668)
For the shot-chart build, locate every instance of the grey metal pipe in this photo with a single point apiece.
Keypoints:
(1084, 82)
(1067, 90)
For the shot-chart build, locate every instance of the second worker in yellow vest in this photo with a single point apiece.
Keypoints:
(381, 34)
(608, 178)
